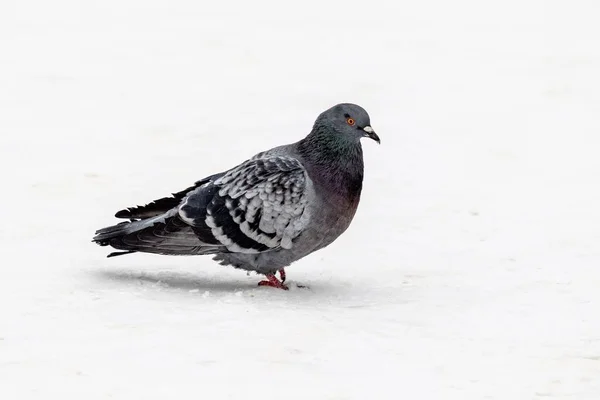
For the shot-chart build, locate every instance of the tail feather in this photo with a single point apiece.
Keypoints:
(120, 253)
(125, 228)
(163, 234)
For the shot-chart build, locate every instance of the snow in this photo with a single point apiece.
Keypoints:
(471, 270)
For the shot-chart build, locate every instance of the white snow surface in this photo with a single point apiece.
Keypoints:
(471, 270)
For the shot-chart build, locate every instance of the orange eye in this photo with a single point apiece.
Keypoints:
(350, 121)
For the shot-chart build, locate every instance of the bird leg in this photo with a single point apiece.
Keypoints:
(282, 274)
(272, 281)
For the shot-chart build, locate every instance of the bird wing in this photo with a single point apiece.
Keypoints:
(160, 206)
(258, 206)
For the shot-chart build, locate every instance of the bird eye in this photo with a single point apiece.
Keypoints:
(350, 121)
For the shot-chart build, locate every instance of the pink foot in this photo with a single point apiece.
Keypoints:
(272, 281)
(282, 274)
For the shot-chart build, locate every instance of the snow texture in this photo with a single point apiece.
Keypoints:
(471, 270)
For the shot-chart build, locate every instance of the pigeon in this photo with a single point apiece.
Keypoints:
(267, 212)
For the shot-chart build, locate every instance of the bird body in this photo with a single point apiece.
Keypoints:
(269, 211)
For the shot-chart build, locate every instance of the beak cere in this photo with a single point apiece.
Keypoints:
(371, 134)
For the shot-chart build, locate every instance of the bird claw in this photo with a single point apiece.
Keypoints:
(272, 281)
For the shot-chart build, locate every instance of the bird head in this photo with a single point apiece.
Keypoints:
(348, 121)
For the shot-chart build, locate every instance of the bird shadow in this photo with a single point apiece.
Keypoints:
(328, 293)
(173, 280)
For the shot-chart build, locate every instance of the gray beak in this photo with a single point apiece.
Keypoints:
(371, 134)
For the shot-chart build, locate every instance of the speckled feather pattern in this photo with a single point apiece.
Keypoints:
(265, 199)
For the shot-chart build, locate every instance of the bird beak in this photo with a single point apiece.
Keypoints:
(370, 133)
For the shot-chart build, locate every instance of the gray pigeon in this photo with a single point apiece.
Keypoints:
(266, 213)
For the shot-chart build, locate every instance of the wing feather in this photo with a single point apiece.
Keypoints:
(255, 207)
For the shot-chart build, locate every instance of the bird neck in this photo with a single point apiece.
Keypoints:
(336, 163)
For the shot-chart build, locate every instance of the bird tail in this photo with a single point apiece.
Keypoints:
(104, 235)
(162, 234)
